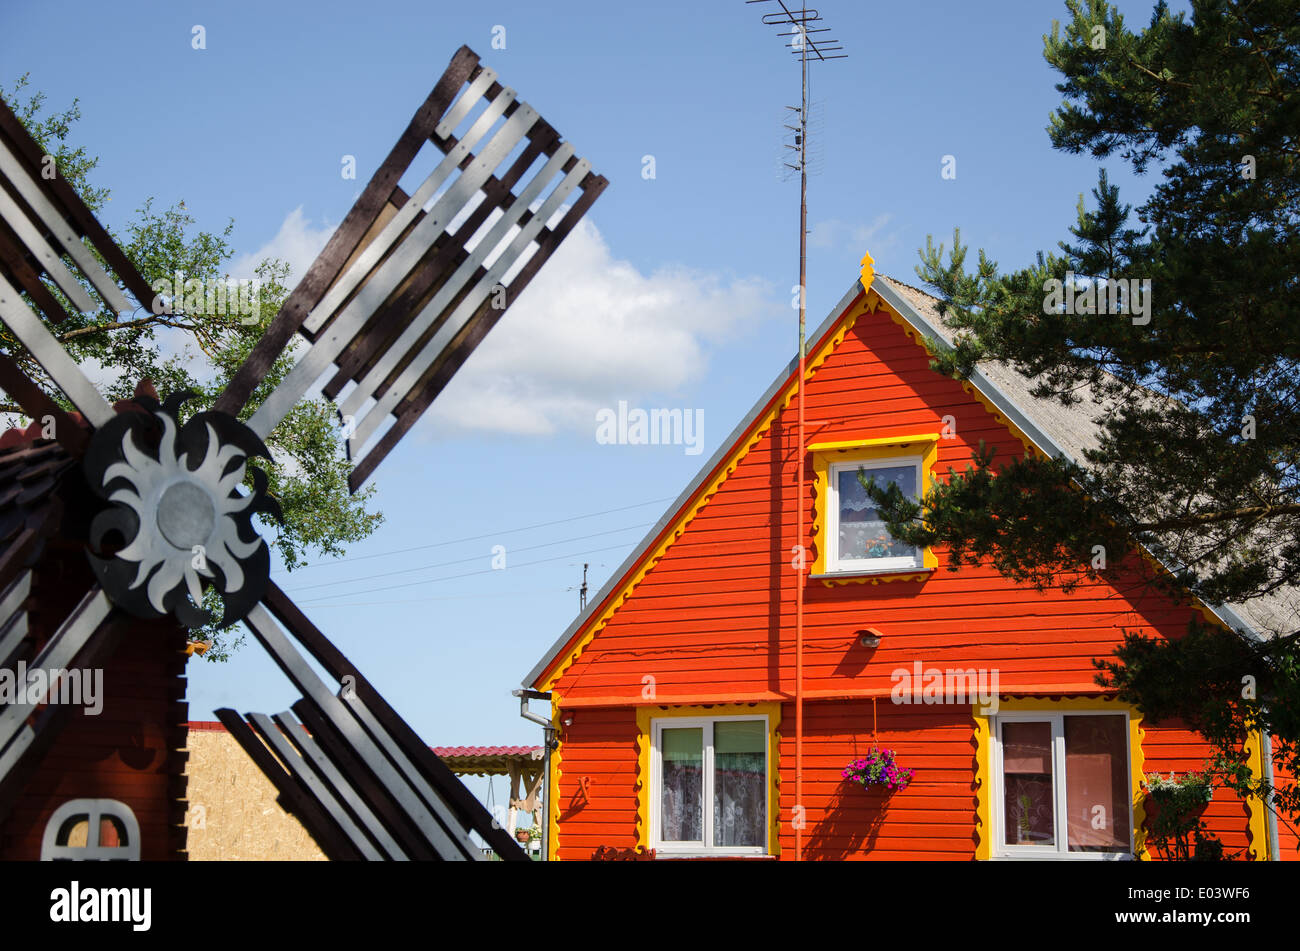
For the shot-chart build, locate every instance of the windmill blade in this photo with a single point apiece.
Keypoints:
(49, 237)
(44, 219)
(304, 761)
(367, 767)
(59, 653)
(357, 776)
(54, 360)
(410, 284)
(13, 617)
(293, 797)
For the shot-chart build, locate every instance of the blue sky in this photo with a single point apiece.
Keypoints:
(676, 293)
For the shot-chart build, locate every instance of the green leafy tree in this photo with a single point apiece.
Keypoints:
(1194, 382)
(200, 353)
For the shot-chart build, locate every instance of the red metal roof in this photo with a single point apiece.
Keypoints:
(442, 751)
(445, 751)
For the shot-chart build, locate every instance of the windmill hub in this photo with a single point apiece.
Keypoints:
(178, 519)
(186, 515)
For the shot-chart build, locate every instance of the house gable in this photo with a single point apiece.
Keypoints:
(699, 617)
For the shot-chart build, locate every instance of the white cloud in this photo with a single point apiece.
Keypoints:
(590, 330)
(297, 242)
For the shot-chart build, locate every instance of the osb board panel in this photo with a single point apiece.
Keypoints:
(233, 814)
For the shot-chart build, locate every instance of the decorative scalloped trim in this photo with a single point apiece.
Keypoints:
(1256, 817)
(983, 817)
(983, 778)
(764, 424)
(878, 578)
(769, 708)
(553, 793)
(643, 716)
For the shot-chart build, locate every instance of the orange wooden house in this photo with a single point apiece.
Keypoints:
(700, 710)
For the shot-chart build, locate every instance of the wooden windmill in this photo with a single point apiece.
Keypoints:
(391, 308)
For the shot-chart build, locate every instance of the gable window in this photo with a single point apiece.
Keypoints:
(710, 782)
(1062, 785)
(850, 537)
(858, 538)
(91, 830)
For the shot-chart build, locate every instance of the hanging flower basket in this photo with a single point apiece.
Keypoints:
(878, 770)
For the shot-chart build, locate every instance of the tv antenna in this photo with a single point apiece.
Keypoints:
(805, 25)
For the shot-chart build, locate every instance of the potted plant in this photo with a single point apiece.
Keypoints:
(879, 769)
(1174, 808)
(524, 835)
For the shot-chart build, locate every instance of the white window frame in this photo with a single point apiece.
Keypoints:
(657, 726)
(997, 805)
(94, 810)
(866, 565)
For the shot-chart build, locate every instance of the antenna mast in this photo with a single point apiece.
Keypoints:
(803, 24)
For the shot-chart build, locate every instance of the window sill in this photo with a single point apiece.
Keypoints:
(1068, 857)
(729, 856)
(867, 576)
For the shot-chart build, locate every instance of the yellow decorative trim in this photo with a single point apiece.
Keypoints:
(983, 769)
(824, 454)
(876, 578)
(553, 788)
(983, 786)
(644, 740)
(868, 271)
(706, 492)
(1256, 811)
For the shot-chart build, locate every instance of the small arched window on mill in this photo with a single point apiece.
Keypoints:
(91, 830)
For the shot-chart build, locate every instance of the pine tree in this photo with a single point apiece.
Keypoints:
(1196, 384)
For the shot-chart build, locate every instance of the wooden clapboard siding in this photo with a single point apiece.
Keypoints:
(1170, 746)
(710, 619)
(600, 745)
(932, 819)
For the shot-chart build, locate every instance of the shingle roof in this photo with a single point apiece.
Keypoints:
(30, 510)
(1074, 429)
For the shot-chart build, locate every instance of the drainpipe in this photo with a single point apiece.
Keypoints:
(548, 743)
(1267, 755)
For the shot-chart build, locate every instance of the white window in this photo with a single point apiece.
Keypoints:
(710, 785)
(91, 830)
(857, 538)
(1061, 786)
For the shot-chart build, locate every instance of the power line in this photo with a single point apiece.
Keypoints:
(464, 561)
(444, 597)
(473, 538)
(468, 574)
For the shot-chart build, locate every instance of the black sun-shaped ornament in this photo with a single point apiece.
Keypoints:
(177, 512)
